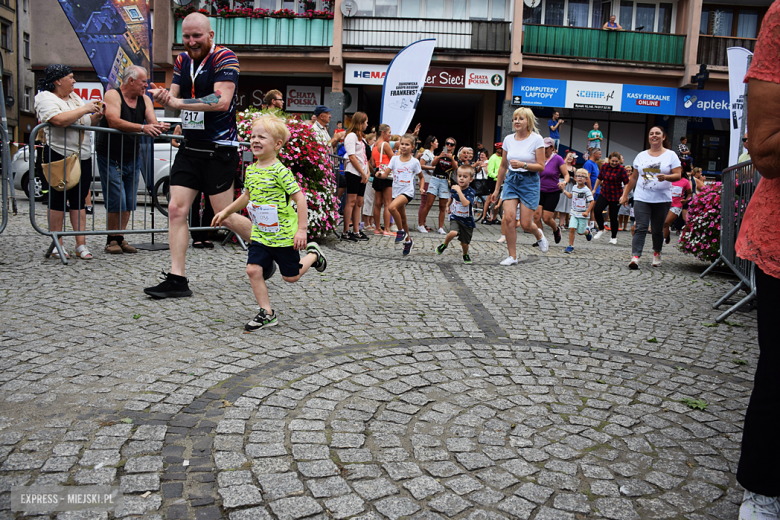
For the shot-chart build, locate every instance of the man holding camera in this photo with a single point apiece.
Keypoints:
(555, 125)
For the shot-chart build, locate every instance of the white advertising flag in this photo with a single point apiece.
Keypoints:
(738, 63)
(403, 85)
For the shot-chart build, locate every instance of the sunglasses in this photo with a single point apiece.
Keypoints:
(448, 143)
(744, 139)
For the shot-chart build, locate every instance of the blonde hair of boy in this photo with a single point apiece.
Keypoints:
(274, 125)
(581, 171)
(529, 116)
(466, 168)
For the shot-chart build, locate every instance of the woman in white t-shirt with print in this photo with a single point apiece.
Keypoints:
(356, 172)
(654, 172)
(523, 159)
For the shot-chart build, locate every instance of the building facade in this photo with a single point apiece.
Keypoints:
(491, 56)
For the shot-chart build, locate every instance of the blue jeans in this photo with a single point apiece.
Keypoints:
(119, 183)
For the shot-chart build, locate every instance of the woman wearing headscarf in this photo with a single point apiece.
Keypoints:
(58, 104)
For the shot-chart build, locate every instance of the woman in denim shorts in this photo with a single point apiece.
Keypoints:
(523, 159)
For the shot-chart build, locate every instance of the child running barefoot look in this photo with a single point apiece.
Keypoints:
(461, 212)
(404, 167)
(581, 207)
(278, 230)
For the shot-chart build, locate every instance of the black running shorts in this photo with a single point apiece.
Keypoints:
(211, 171)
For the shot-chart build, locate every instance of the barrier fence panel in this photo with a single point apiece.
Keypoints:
(129, 171)
(739, 182)
(6, 177)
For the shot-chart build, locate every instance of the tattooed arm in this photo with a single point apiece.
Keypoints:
(219, 101)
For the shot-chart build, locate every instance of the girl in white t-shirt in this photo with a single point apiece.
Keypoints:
(654, 172)
(404, 168)
(522, 161)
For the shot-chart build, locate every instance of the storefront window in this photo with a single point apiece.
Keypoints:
(578, 13)
(554, 12)
(645, 17)
(747, 24)
(626, 15)
(664, 18)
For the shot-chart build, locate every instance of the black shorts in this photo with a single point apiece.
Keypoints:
(287, 258)
(354, 186)
(77, 195)
(464, 232)
(549, 201)
(491, 185)
(342, 181)
(205, 167)
(382, 184)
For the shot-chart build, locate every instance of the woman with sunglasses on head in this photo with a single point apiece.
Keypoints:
(426, 163)
(522, 161)
(383, 188)
(438, 187)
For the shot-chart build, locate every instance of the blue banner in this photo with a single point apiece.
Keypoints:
(649, 100)
(114, 35)
(703, 103)
(540, 92)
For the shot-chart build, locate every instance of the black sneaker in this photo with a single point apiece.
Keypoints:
(261, 321)
(172, 286)
(362, 237)
(321, 263)
(557, 235)
(440, 249)
(467, 259)
(535, 244)
(348, 237)
(270, 272)
(89, 209)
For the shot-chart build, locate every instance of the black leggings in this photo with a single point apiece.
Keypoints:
(614, 207)
(757, 470)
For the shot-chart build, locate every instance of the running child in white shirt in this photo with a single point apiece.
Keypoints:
(404, 168)
(581, 207)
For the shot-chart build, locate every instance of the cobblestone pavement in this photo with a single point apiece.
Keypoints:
(394, 387)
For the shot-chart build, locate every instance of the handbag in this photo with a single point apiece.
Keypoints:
(64, 174)
(481, 187)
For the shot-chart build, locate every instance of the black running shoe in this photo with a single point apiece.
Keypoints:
(362, 237)
(271, 271)
(261, 321)
(467, 259)
(440, 249)
(348, 237)
(321, 263)
(557, 235)
(172, 286)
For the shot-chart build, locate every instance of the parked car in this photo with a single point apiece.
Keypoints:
(161, 165)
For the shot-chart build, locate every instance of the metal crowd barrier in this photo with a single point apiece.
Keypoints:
(6, 178)
(152, 166)
(739, 182)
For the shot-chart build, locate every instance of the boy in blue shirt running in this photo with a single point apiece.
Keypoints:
(461, 210)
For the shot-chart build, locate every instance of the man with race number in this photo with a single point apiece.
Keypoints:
(204, 81)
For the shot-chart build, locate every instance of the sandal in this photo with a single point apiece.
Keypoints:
(56, 255)
(83, 253)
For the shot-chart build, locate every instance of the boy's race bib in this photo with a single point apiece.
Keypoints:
(191, 120)
(459, 210)
(264, 216)
(579, 203)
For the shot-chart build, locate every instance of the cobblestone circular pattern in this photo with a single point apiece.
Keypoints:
(478, 432)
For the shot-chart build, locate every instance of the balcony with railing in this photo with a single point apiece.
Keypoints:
(601, 45)
(712, 49)
(269, 31)
(467, 35)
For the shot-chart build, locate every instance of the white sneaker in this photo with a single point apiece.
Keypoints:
(544, 245)
(393, 228)
(656, 259)
(422, 229)
(598, 235)
(442, 232)
(508, 261)
(501, 239)
(613, 241)
(759, 507)
(634, 263)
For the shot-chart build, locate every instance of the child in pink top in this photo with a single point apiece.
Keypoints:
(681, 194)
